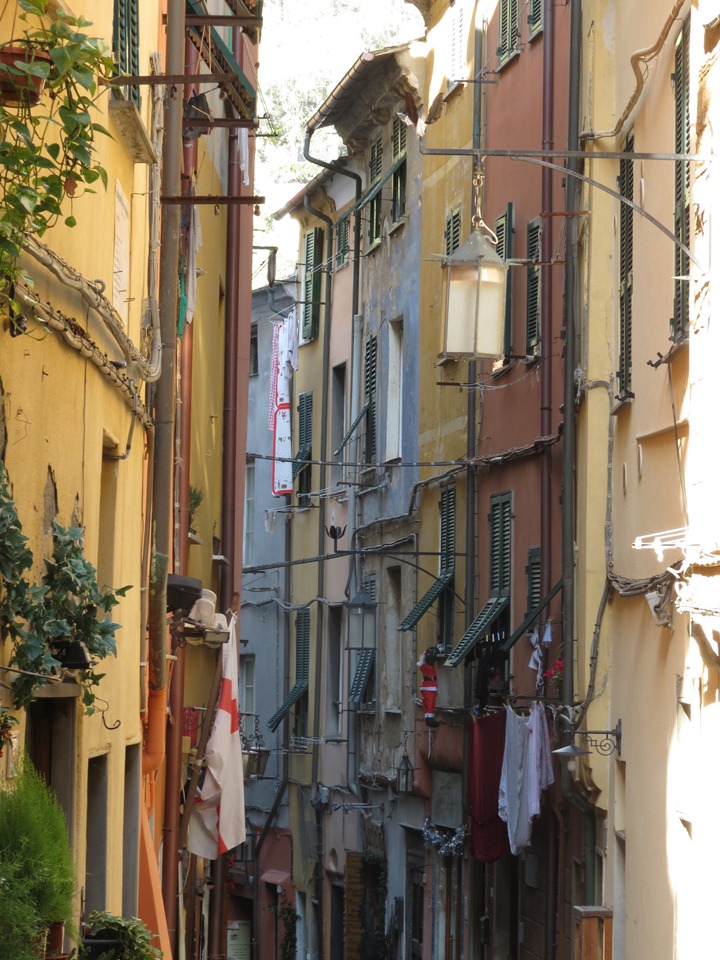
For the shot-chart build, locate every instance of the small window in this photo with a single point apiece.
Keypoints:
(253, 364)
(532, 326)
(509, 30)
(452, 232)
(249, 517)
(342, 233)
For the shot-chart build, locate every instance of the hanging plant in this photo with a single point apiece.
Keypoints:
(49, 89)
(8, 724)
(43, 620)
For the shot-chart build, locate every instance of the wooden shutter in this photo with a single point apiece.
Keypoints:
(371, 398)
(447, 530)
(626, 265)
(312, 283)
(399, 138)
(535, 16)
(126, 42)
(532, 328)
(681, 307)
(533, 571)
(500, 529)
(452, 233)
(504, 234)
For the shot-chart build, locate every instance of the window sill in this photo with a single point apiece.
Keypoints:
(622, 403)
(373, 247)
(508, 59)
(397, 225)
(133, 134)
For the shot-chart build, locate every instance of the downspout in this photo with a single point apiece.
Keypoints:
(352, 734)
(478, 895)
(165, 401)
(319, 625)
(571, 307)
(173, 775)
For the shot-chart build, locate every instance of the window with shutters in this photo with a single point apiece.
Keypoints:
(681, 82)
(312, 283)
(126, 37)
(492, 623)
(342, 235)
(297, 697)
(509, 30)
(446, 575)
(532, 321)
(504, 234)
(302, 468)
(394, 380)
(624, 379)
(375, 205)
(248, 557)
(399, 177)
(533, 579)
(452, 232)
(371, 400)
(535, 16)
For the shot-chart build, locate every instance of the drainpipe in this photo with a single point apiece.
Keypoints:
(352, 736)
(478, 895)
(319, 809)
(173, 775)
(165, 397)
(546, 297)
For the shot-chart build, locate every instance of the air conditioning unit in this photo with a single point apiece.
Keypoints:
(592, 933)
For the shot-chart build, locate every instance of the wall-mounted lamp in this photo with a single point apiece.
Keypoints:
(405, 775)
(604, 742)
(475, 299)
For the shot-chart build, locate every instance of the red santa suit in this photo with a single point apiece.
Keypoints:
(428, 685)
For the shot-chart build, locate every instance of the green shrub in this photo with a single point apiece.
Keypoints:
(35, 850)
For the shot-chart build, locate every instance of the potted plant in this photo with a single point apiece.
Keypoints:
(196, 497)
(46, 622)
(110, 937)
(36, 865)
(48, 91)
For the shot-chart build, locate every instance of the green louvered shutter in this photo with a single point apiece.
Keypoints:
(452, 233)
(626, 266)
(126, 42)
(508, 21)
(681, 307)
(504, 234)
(371, 398)
(500, 529)
(532, 322)
(447, 530)
(533, 571)
(312, 283)
(535, 17)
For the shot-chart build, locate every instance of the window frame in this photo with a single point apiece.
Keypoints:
(342, 235)
(370, 376)
(302, 468)
(535, 17)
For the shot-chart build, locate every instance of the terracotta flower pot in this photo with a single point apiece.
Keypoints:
(19, 87)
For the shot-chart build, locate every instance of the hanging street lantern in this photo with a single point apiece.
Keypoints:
(475, 300)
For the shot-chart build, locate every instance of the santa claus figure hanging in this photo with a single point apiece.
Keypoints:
(428, 685)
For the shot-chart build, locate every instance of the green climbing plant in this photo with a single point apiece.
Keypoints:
(40, 620)
(48, 94)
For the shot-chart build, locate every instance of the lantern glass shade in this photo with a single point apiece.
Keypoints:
(475, 300)
(405, 775)
(361, 620)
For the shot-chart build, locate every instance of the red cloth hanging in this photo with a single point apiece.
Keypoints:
(488, 833)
